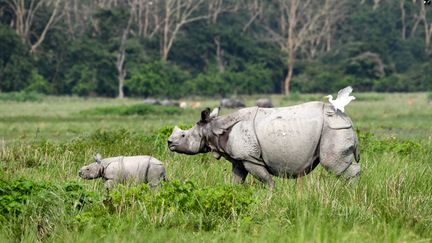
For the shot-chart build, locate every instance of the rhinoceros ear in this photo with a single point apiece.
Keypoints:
(214, 113)
(98, 158)
(205, 115)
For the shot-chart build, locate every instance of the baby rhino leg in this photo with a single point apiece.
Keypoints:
(109, 184)
(155, 174)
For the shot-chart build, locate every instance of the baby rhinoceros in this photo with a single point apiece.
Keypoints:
(142, 168)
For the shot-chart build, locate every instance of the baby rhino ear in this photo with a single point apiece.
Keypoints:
(214, 113)
(98, 158)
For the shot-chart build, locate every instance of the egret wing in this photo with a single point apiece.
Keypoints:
(344, 92)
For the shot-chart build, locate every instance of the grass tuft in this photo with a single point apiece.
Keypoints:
(137, 109)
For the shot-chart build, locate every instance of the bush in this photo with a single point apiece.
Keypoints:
(252, 79)
(220, 202)
(25, 204)
(157, 79)
(210, 84)
(21, 96)
(39, 84)
(368, 142)
(15, 62)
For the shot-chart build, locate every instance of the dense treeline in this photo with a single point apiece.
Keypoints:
(175, 48)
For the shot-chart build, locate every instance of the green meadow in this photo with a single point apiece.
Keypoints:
(44, 140)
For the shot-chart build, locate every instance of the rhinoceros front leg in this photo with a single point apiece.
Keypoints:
(239, 174)
(109, 184)
(260, 172)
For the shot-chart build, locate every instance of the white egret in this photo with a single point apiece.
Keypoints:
(343, 98)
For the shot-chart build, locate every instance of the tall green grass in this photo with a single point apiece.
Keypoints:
(48, 202)
(43, 199)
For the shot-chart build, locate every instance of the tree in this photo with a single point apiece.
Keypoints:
(121, 55)
(175, 15)
(296, 24)
(24, 19)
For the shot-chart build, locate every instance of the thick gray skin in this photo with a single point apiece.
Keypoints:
(141, 169)
(231, 103)
(264, 103)
(286, 141)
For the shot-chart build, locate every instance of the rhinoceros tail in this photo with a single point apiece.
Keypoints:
(356, 151)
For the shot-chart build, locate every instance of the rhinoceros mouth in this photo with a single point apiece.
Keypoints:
(172, 147)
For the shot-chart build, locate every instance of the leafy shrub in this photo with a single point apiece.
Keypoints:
(157, 78)
(293, 96)
(29, 206)
(251, 79)
(21, 96)
(15, 62)
(429, 97)
(220, 201)
(39, 84)
(210, 84)
(138, 109)
(370, 143)
(14, 196)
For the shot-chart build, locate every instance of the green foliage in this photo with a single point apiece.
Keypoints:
(157, 79)
(14, 196)
(39, 84)
(226, 56)
(95, 73)
(15, 62)
(390, 145)
(21, 96)
(44, 200)
(23, 201)
(85, 80)
(216, 203)
(253, 79)
(210, 84)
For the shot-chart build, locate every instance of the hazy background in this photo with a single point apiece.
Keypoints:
(173, 48)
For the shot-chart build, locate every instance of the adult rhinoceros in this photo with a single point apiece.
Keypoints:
(286, 141)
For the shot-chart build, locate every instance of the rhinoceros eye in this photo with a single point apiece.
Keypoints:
(183, 135)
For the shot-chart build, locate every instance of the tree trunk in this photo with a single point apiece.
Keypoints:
(121, 73)
(402, 8)
(219, 55)
(292, 23)
(289, 76)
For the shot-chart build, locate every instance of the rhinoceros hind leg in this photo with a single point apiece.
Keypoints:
(260, 172)
(239, 174)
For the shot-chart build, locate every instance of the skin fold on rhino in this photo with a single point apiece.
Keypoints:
(265, 142)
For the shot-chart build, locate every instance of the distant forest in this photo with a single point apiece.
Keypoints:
(177, 48)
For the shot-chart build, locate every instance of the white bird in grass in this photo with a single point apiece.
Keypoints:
(343, 98)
